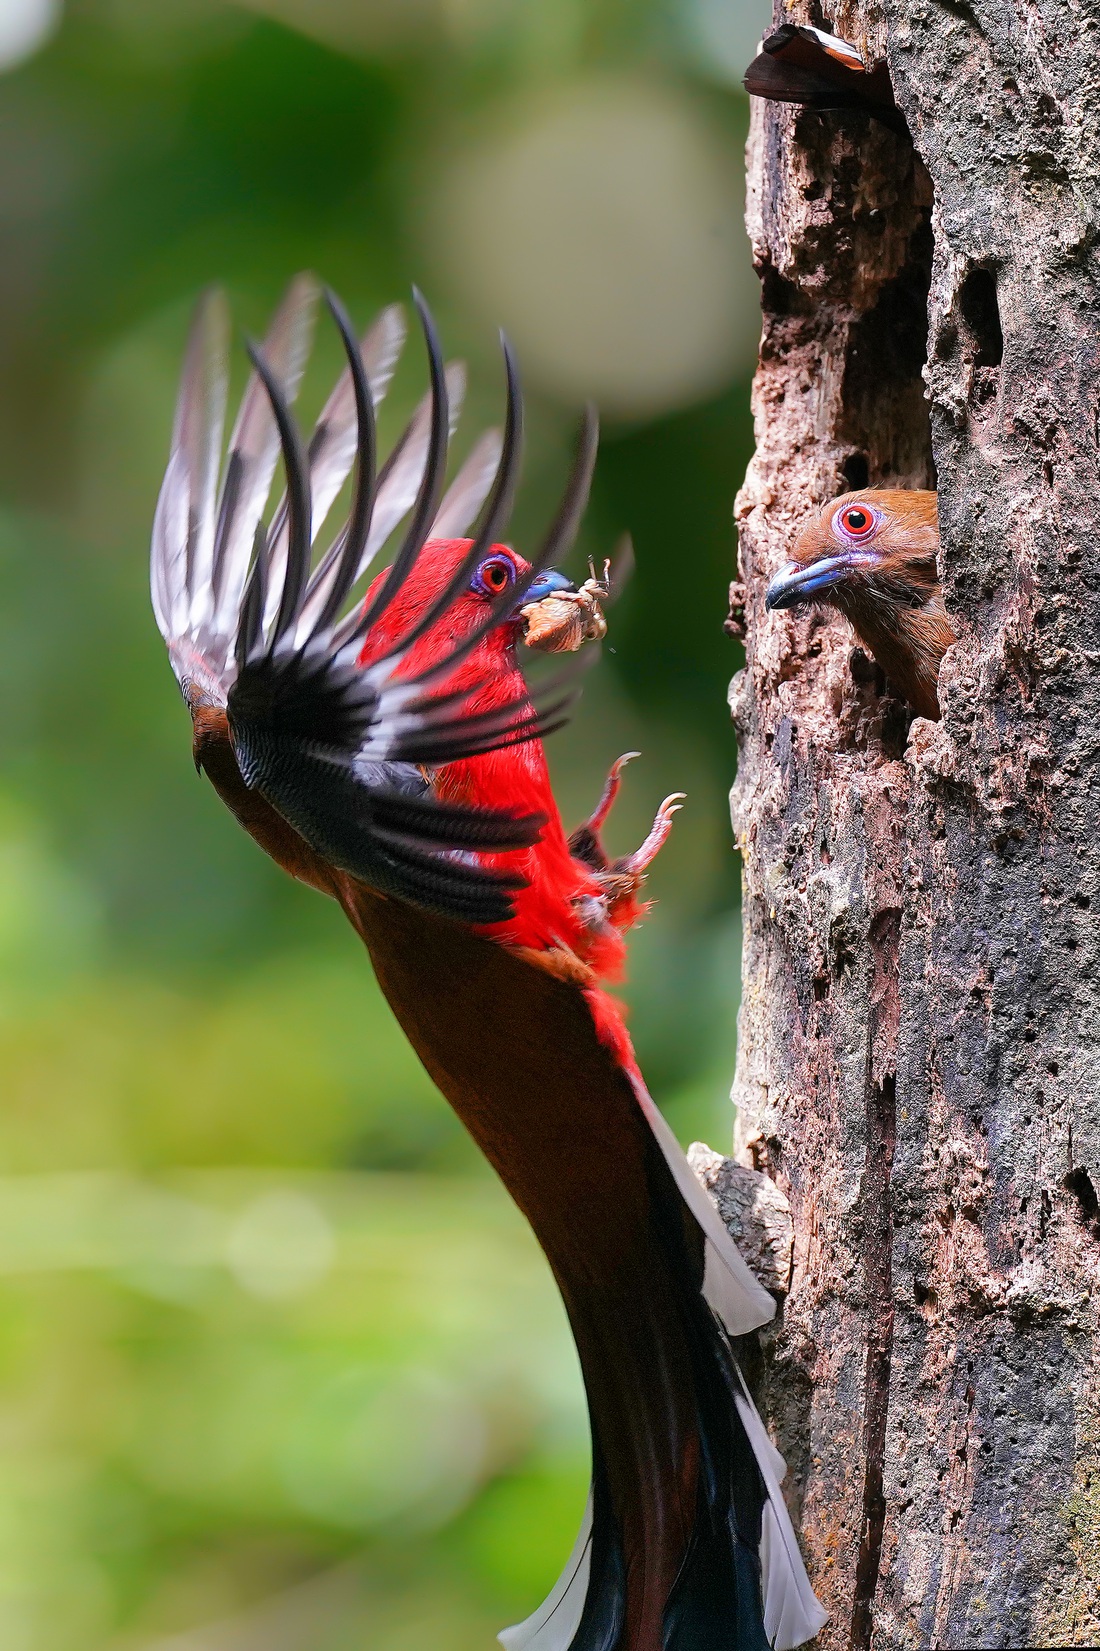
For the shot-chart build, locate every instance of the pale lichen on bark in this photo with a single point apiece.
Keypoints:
(919, 1053)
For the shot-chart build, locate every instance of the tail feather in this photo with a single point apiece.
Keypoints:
(717, 1599)
(742, 1583)
(743, 1570)
(687, 1545)
(792, 1612)
(553, 1627)
(585, 1609)
(729, 1285)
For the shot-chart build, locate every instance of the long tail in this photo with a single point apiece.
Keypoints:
(687, 1545)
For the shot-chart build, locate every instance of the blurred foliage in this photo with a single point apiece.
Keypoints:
(280, 1367)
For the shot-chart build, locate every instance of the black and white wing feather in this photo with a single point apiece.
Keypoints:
(255, 626)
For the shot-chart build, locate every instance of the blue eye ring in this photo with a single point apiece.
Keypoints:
(493, 576)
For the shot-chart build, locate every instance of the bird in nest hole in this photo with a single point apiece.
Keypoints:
(872, 555)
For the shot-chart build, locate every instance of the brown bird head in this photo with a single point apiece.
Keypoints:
(872, 554)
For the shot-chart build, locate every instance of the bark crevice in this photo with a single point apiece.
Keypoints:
(877, 1271)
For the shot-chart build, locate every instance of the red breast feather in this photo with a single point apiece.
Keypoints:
(548, 912)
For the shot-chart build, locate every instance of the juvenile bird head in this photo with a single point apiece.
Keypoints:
(872, 555)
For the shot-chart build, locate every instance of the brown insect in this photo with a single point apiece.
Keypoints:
(565, 620)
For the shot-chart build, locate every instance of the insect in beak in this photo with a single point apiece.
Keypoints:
(560, 617)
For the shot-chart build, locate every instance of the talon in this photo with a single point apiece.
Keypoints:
(598, 817)
(635, 864)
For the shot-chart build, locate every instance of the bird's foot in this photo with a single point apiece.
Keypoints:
(598, 817)
(584, 842)
(636, 864)
(618, 904)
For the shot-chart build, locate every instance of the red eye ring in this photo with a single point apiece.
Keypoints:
(856, 522)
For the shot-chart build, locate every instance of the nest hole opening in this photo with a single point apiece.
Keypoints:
(980, 312)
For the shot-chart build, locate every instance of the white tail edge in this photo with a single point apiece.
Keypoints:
(730, 1288)
(554, 1625)
(792, 1612)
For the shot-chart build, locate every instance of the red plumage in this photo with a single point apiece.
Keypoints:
(363, 785)
(563, 912)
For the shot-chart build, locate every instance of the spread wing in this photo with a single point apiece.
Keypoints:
(203, 534)
(257, 630)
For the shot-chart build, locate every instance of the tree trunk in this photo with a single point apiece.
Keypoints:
(919, 1060)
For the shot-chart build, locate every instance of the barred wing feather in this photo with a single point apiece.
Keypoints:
(255, 629)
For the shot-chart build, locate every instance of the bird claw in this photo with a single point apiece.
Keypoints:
(619, 880)
(634, 865)
(585, 840)
(598, 817)
(617, 904)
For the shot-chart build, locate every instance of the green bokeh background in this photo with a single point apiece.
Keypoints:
(280, 1367)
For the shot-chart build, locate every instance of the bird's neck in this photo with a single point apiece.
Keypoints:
(909, 644)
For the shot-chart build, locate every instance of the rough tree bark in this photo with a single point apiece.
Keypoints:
(919, 1062)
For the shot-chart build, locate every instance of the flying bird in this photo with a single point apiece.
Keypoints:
(872, 555)
(801, 64)
(384, 746)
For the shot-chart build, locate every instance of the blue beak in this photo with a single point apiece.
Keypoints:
(797, 583)
(548, 583)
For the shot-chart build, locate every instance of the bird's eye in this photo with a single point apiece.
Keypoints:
(494, 575)
(856, 523)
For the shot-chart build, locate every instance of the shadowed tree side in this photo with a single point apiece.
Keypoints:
(918, 1054)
